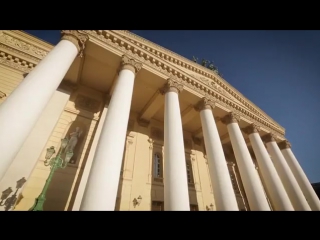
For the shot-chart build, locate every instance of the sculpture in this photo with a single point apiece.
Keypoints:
(74, 137)
(204, 62)
(195, 59)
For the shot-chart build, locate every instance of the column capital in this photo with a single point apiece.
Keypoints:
(130, 64)
(78, 38)
(230, 118)
(252, 128)
(284, 144)
(205, 103)
(270, 137)
(171, 86)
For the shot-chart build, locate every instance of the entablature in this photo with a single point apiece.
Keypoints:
(171, 71)
(197, 69)
(21, 51)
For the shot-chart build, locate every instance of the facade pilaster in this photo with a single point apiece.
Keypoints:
(250, 178)
(102, 185)
(220, 178)
(300, 176)
(291, 185)
(277, 192)
(22, 109)
(176, 195)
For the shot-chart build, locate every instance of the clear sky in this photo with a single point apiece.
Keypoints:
(277, 70)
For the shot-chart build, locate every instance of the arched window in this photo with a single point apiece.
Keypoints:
(157, 165)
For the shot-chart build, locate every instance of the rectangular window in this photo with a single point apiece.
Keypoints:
(157, 167)
(189, 172)
(157, 206)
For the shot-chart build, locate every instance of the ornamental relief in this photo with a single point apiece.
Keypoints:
(21, 45)
(4, 47)
(168, 71)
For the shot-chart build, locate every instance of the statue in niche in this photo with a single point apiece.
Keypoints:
(74, 138)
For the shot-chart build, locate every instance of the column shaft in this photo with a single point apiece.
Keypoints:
(20, 112)
(250, 178)
(275, 189)
(26, 160)
(300, 176)
(289, 182)
(176, 195)
(102, 185)
(220, 178)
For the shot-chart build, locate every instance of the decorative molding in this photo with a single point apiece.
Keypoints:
(10, 49)
(215, 87)
(205, 103)
(230, 118)
(284, 145)
(22, 45)
(130, 64)
(169, 70)
(169, 56)
(171, 86)
(253, 128)
(15, 62)
(151, 143)
(78, 38)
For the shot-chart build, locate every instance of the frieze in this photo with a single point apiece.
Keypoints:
(21, 45)
(151, 61)
(198, 68)
(29, 57)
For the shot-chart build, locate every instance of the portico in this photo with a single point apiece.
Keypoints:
(146, 100)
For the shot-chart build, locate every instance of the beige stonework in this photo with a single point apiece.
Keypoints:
(90, 82)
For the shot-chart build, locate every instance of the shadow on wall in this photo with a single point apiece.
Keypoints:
(65, 182)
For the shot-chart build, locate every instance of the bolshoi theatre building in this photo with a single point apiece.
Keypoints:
(107, 120)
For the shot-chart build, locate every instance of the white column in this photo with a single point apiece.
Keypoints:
(176, 195)
(250, 178)
(223, 192)
(289, 182)
(102, 186)
(21, 110)
(300, 176)
(28, 156)
(87, 168)
(272, 181)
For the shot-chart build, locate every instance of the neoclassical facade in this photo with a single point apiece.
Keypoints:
(107, 120)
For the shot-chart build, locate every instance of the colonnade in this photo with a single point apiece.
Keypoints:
(286, 183)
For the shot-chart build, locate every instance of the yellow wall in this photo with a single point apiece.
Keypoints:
(9, 80)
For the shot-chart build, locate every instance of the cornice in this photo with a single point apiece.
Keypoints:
(154, 61)
(150, 57)
(197, 68)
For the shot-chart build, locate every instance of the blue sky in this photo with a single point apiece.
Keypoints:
(277, 70)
